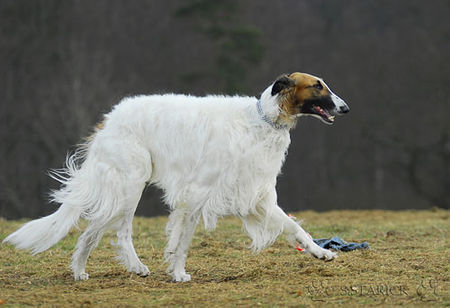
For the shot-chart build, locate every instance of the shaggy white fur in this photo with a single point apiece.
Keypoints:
(212, 156)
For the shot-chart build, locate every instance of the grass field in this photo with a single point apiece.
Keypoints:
(407, 263)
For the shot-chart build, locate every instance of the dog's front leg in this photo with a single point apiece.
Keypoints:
(294, 231)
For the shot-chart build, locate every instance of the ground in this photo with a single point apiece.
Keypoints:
(407, 264)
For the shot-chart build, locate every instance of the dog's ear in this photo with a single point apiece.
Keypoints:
(282, 83)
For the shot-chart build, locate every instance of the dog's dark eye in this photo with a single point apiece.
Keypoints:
(318, 86)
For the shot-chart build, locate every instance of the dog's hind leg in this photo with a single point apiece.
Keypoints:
(86, 243)
(126, 252)
(116, 212)
(121, 219)
(180, 230)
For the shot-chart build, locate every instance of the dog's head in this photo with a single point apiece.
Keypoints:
(302, 94)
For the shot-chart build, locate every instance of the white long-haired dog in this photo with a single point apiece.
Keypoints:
(212, 156)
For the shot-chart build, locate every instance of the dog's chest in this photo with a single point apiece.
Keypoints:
(244, 163)
(265, 157)
(247, 171)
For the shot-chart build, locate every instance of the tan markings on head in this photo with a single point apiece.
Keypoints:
(97, 128)
(100, 126)
(304, 87)
(307, 86)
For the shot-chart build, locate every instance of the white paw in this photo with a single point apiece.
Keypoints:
(329, 255)
(81, 276)
(323, 254)
(140, 270)
(181, 277)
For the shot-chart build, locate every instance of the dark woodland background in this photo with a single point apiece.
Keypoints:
(65, 63)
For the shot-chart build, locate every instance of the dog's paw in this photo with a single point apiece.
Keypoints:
(329, 255)
(81, 276)
(324, 254)
(181, 277)
(140, 270)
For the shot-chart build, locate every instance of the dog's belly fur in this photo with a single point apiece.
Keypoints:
(209, 160)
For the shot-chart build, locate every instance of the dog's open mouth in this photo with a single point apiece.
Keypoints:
(323, 114)
(321, 108)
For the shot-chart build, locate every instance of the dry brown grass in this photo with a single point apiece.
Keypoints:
(408, 263)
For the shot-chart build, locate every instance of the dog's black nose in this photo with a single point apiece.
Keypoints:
(344, 109)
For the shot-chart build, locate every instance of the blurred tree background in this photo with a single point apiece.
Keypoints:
(65, 63)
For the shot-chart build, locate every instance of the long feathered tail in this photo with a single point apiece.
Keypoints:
(91, 189)
(79, 196)
(41, 234)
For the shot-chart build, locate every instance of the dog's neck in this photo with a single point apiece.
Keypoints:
(267, 119)
(270, 112)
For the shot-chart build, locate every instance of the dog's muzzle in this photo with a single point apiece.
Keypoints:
(341, 106)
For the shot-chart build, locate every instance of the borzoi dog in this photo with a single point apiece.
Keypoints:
(212, 156)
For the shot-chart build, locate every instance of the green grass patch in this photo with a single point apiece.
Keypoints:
(407, 264)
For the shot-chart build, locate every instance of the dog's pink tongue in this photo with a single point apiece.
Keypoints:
(321, 111)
